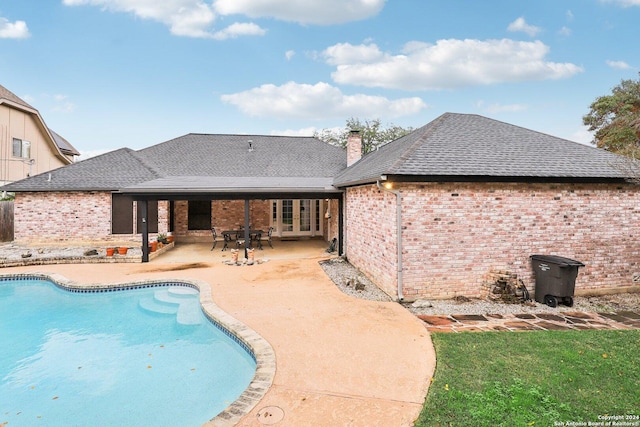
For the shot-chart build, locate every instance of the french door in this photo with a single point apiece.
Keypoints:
(298, 217)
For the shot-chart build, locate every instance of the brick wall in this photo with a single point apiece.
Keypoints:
(225, 215)
(454, 234)
(60, 217)
(73, 216)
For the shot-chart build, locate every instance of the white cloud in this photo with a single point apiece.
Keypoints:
(289, 54)
(620, 65)
(583, 136)
(13, 30)
(61, 103)
(295, 132)
(569, 16)
(346, 53)
(318, 101)
(520, 25)
(565, 31)
(500, 108)
(447, 64)
(195, 18)
(188, 18)
(239, 29)
(624, 3)
(320, 12)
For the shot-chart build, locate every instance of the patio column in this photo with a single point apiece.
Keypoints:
(144, 207)
(247, 233)
(341, 224)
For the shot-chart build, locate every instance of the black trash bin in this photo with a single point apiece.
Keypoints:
(555, 279)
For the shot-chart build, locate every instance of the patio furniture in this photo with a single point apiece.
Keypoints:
(215, 237)
(230, 237)
(236, 238)
(266, 237)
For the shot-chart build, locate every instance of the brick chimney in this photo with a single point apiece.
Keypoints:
(354, 147)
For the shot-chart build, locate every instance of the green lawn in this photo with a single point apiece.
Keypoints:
(533, 378)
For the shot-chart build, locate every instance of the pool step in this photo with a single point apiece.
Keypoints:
(154, 306)
(189, 313)
(181, 301)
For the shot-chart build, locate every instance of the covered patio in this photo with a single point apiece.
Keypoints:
(278, 191)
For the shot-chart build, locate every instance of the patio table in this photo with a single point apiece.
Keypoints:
(237, 236)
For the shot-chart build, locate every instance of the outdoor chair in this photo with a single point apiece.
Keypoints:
(228, 240)
(266, 237)
(215, 236)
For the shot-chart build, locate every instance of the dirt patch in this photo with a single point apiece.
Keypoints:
(176, 267)
(280, 272)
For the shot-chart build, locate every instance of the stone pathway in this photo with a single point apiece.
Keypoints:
(531, 322)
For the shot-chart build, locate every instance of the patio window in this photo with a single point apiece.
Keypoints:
(199, 215)
(121, 214)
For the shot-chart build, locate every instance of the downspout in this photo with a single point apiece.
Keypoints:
(398, 234)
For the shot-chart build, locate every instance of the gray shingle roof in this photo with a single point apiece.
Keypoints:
(229, 155)
(63, 144)
(468, 146)
(452, 147)
(107, 172)
(201, 163)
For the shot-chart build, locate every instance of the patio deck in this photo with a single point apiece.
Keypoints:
(339, 360)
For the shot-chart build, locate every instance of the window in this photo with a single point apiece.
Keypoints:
(21, 148)
(199, 215)
(121, 214)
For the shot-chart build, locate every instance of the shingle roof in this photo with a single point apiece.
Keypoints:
(468, 146)
(10, 96)
(204, 162)
(63, 144)
(107, 172)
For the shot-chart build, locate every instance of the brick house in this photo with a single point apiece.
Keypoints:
(27, 146)
(431, 214)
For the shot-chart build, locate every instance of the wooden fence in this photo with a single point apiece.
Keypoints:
(6, 221)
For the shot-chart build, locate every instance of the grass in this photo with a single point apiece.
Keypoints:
(533, 378)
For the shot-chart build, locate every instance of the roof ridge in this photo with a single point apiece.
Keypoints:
(155, 170)
(431, 127)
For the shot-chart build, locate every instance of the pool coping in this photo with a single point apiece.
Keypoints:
(256, 345)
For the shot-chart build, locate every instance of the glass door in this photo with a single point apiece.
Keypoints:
(297, 218)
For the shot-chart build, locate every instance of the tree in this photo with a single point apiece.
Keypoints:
(615, 119)
(371, 131)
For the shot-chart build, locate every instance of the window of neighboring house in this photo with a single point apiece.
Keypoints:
(199, 215)
(21, 148)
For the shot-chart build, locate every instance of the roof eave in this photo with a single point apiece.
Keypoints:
(482, 178)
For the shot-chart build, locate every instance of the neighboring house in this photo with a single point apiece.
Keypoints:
(432, 214)
(27, 146)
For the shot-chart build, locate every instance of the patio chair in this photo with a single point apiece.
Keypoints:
(214, 234)
(266, 237)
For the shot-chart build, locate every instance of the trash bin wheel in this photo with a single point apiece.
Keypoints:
(568, 301)
(551, 301)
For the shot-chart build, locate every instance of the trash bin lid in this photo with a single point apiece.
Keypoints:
(558, 260)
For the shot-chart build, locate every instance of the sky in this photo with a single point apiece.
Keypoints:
(107, 74)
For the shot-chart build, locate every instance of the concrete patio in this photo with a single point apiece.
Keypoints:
(339, 360)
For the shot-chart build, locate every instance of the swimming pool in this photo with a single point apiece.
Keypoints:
(141, 356)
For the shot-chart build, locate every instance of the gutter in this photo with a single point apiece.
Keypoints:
(398, 234)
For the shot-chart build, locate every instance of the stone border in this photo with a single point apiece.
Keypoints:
(258, 347)
(133, 256)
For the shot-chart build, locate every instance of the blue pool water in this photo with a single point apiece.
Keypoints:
(143, 357)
